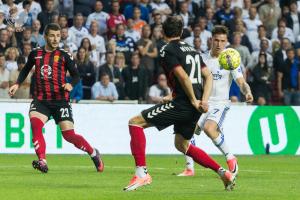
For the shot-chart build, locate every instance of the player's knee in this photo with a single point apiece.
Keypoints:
(208, 129)
(137, 120)
(181, 147)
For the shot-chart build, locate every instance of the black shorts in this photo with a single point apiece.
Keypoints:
(59, 110)
(183, 117)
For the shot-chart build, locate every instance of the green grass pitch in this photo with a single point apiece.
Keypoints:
(73, 177)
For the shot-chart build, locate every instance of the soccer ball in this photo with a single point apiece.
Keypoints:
(230, 59)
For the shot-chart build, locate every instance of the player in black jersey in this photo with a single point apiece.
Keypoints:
(184, 69)
(51, 96)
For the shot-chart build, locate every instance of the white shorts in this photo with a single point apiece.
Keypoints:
(216, 113)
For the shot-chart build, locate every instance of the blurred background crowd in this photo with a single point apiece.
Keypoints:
(116, 44)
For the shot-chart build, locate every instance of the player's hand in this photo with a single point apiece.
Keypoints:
(249, 98)
(197, 105)
(203, 106)
(68, 87)
(12, 90)
(167, 98)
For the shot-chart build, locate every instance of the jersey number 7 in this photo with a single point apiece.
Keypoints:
(195, 65)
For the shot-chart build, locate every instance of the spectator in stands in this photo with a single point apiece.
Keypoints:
(66, 40)
(76, 93)
(148, 51)
(161, 7)
(104, 89)
(252, 23)
(129, 10)
(91, 51)
(231, 23)
(197, 45)
(225, 14)
(240, 27)
(78, 30)
(4, 40)
(120, 61)
(4, 78)
(2, 17)
(157, 20)
(288, 81)
(113, 72)
(138, 23)
(269, 14)
(293, 19)
(26, 38)
(46, 15)
(282, 31)
(243, 50)
(34, 8)
(8, 8)
(26, 51)
(262, 35)
(115, 18)
(246, 9)
(11, 56)
(86, 71)
(264, 46)
(97, 42)
(25, 17)
(135, 79)
(11, 36)
(210, 21)
(130, 32)
(84, 7)
(99, 16)
(124, 44)
(157, 38)
(281, 55)
(36, 37)
(159, 90)
(199, 31)
(63, 21)
(188, 18)
(262, 80)
(23, 91)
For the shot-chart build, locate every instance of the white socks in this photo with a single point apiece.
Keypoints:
(141, 171)
(220, 143)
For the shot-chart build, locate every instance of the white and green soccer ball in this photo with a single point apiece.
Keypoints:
(229, 59)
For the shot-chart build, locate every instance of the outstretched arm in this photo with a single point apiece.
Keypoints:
(245, 89)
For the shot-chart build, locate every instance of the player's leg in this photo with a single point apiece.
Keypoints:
(62, 114)
(199, 156)
(39, 115)
(68, 133)
(159, 116)
(189, 163)
(138, 148)
(212, 130)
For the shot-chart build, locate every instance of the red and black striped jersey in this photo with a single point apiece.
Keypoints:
(50, 73)
(177, 53)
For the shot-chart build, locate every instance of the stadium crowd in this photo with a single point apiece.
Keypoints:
(116, 44)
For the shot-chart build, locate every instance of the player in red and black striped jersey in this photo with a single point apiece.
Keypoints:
(51, 96)
(184, 69)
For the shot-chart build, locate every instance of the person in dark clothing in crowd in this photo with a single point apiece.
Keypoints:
(261, 80)
(86, 71)
(288, 79)
(135, 79)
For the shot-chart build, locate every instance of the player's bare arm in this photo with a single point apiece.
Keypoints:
(207, 88)
(245, 89)
(186, 84)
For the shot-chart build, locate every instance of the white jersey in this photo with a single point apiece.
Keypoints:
(222, 78)
(79, 34)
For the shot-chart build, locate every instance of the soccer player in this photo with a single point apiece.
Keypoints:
(219, 104)
(183, 67)
(51, 96)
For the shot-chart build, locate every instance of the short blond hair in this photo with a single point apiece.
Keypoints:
(11, 49)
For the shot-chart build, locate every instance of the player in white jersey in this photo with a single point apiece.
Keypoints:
(219, 104)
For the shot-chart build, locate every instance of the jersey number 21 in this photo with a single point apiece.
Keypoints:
(195, 63)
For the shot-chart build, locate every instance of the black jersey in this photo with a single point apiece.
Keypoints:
(50, 73)
(178, 53)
